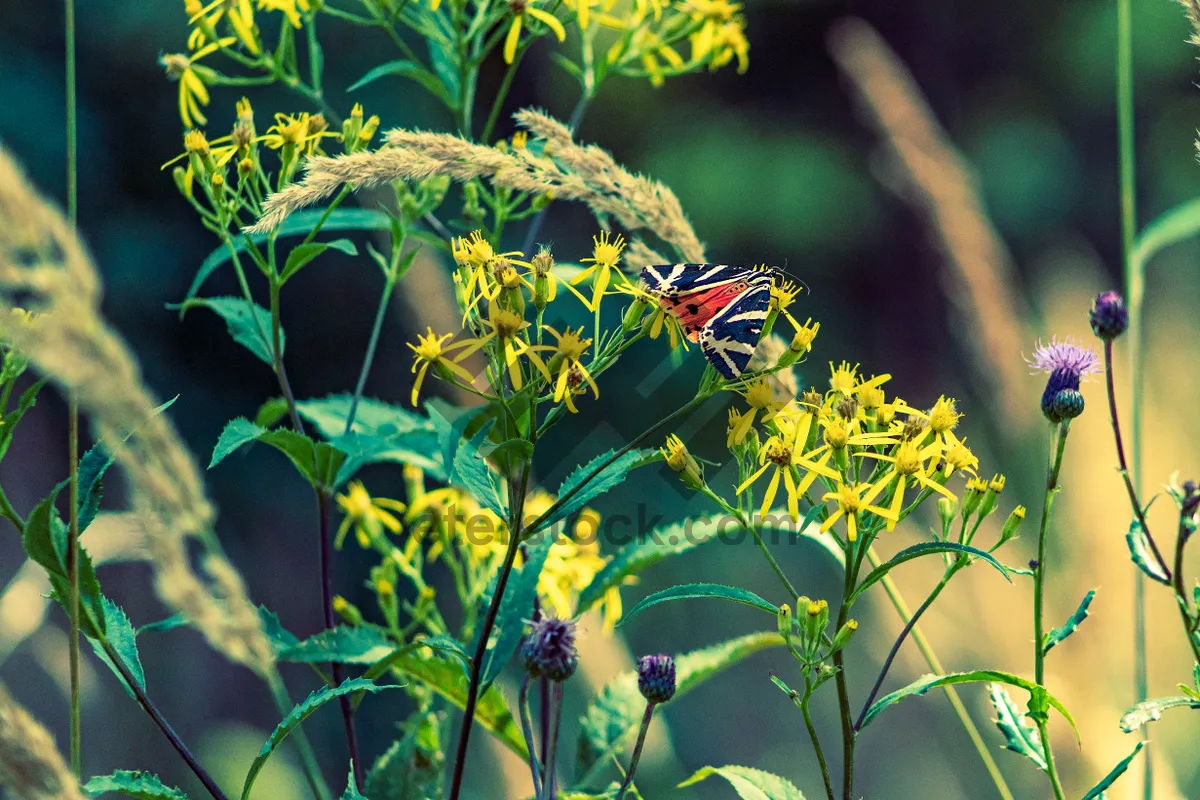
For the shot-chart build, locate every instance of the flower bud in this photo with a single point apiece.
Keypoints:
(1109, 316)
(816, 619)
(347, 610)
(843, 636)
(988, 504)
(656, 678)
(549, 649)
(683, 463)
(783, 618)
(351, 128)
(976, 488)
(633, 315)
(1068, 404)
(1011, 526)
(183, 181)
(947, 510)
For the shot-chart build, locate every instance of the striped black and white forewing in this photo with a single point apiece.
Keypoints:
(673, 280)
(730, 338)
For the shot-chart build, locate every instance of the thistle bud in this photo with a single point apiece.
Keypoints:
(843, 636)
(549, 649)
(656, 678)
(1109, 316)
(1011, 526)
(1067, 404)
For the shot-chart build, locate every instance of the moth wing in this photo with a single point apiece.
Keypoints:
(731, 337)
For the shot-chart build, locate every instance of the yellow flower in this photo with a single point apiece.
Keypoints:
(908, 460)
(475, 255)
(192, 91)
(368, 515)
(783, 294)
(721, 36)
(204, 19)
(570, 348)
(737, 428)
(850, 504)
(431, 352)
(301, 130)
(784, 452)
(504, 325)
(761, 397)
(802, 340)
(290, 8)
(520, 8)
(959, 457)
(606, 254)
(843, 380)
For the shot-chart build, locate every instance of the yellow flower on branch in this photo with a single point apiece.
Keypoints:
(908, 461)
(193, 93)
(504, 326)
(301, 131)
(850, 504)
(606, 254)
(369, 516)
(570, 348)
(520, 8)
(761, 397)
(292, 9)
(431, 351)
(784, 451)
(204, 20)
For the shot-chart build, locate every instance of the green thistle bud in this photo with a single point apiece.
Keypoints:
(1067, 404)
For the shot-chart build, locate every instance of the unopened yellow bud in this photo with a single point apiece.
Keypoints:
(1011, 525)
(843, 636)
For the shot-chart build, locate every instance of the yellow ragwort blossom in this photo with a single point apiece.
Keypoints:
(504, 326)
(606, 254)
(302, 131)
(784, 451)
(850, 504)
(762, 399)
(192, 91)
(368, 515)
(570, 347)
(909, 460)
(520, 8)
(291, 9)
(844, 380)
(722, 33)
(431, 351)
(204, 20)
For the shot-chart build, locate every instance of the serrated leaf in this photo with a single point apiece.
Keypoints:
(297, 224)
(161, 626)
(1067, 628)
(381, 432)
(1097, 791)
(1020, 736)
(351, 792)
(122, 637)
(608, 477)
(297, 715)
(249, 324)
(923, 549)
(45, 540)
(411, 769)
(133, 783)
(407, 69)
(281, 638)
(472, 472)
(311, 460)
(450, 682)
(926, 682)
(750, 783)
(614, 713)
(1140, 552)
(692, 591)
(303, 254)
(678, 538)
(236, 433)
(1150, 710)
(342, 645)
(516, 606)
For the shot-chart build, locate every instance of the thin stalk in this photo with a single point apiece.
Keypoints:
(327, 603)
(527, 731)
(369, 358)
(935, 665)
(816, 743)
(637, 751)
(535, 226)
(843, 691)
(10, 513)
(501, 93)
(556, 700)
(908, 626)
(1135, 291)
(148, 706)
(1181, 597)
(762, 545)
(73, 641)
(1057, 445)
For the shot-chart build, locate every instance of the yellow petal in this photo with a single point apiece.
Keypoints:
(551, 21)
(510, 41)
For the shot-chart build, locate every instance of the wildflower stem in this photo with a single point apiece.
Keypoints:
(816, 741)
(935, 664)
(1058, 444)
(501, 94)
(1125, 475)
(73, 642)
(10, 513)
(843, 691)
(556, 702)
(527, 730)
(1181, 598)
(754, 531)
(150, 708)
(308, 759)
(637, 751)
(908, 626)
(372, 344)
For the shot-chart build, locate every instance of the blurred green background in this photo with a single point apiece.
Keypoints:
(773, 166)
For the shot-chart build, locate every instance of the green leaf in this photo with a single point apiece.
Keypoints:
(926, 682)
(133, 783)
(303, 254)
(1020, 736)
(351, 792)
(605, 480)
(281, 638)
(690, 591)
(751, 784)
(298, 224)
(249, 324)
(122, 637)
(450, 682)
(473, 473)
(1067, 628)
(298, 715)
(411, 769)
(923, 549)
(343, 645)
(407, 69)
(516, 606)
(271, 412)
(615, 712)
(381, 432)
(447, 70)
(45, 541)
(1142, 555)
(311, 460)
(160, 626)
(1097, 791)
(1150, 710)
(1172, 226)
(237, 432)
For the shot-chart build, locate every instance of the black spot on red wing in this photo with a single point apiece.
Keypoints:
(693, 309)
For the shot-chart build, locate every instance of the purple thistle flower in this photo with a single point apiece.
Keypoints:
(1067, 362)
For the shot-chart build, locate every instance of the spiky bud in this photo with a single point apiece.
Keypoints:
(656, 678)
(549, 649)
(1109, 316)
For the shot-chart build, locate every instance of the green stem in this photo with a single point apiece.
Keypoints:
(816, 742)
(527, 731)
(762, 545)
(372, 345)
(501, 94)
(1058, 444)
(10, 513)
(637, 751)
(1135, 290)
(843, 691)
(1181, 598)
